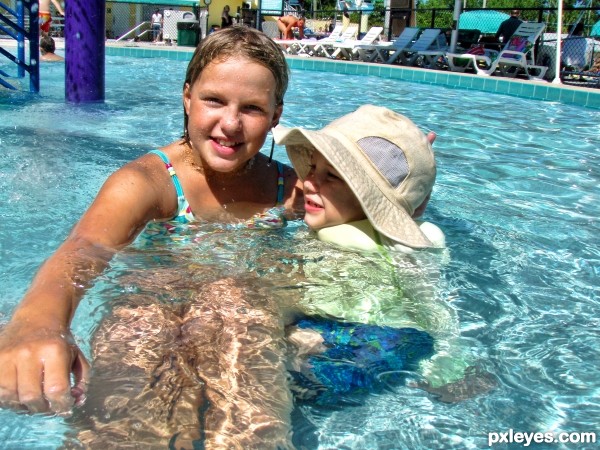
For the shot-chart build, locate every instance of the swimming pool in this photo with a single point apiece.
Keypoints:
(517, 195)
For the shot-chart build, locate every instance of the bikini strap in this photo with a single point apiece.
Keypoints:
(171, 171)
(184, 212)
(280, 183)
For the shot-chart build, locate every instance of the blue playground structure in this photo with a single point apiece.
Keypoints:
(27, 11)
(84, 47)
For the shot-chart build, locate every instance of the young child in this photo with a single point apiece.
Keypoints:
(366, 177)
(373, 170)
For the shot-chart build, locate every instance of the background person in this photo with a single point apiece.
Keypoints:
(47, 49)
(286, 25)
(226, 19)
(345, 15)
(45, 14)
(157, 22)
(509, 26)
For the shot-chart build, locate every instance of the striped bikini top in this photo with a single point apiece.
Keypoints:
(272, 218)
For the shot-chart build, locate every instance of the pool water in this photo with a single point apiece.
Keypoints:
(517, 195)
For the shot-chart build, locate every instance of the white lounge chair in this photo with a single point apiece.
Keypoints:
(380, 51)
(300, 46)
(429, 39)
(516, 56)
(348, 48)
(319, 47)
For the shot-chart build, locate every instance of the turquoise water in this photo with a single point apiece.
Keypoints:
(516, 194)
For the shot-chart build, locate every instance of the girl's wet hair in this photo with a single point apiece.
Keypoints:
(238, 41)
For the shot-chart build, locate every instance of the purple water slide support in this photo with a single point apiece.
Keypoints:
(84, 50)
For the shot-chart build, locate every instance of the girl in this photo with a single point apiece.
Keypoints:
(232, 96)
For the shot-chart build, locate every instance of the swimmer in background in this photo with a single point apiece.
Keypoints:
(286, 25)
(46, 16)
(47, 49)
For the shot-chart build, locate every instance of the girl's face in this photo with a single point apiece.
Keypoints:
(328, 201)
(231, 107)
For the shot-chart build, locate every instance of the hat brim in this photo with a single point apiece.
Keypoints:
(387, 217)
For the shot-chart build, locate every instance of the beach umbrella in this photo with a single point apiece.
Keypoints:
(595, 30)
(485, 20)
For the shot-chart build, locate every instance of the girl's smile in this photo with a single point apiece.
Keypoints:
(230, 112)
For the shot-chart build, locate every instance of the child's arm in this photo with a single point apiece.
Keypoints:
(37, 352)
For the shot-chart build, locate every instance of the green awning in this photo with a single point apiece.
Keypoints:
(484, 20)
(160, 2)
(595, 30)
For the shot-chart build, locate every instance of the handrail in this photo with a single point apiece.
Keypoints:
(13, 26)
(8, 9)
(19, 32)
(143, 33)
(133, 29)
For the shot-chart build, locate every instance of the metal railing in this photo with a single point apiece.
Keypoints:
(22, 24)
(133, 30)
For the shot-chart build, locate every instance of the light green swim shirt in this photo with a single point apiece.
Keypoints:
(387, 288)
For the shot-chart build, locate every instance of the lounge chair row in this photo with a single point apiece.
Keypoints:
(369, 47)
(339, 42)
(517, 56)
(428, 48)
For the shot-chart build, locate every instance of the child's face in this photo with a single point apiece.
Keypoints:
(328, 201)
(231, 107)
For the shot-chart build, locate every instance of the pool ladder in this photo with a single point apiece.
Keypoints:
(21, 25)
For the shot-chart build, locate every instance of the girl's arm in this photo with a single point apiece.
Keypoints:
(37, 351)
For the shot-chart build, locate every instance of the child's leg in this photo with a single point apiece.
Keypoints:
(138, 379)
(237, 336)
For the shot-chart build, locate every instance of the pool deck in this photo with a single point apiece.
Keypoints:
(538, 90)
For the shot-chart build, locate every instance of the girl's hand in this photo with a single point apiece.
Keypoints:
(36, 366)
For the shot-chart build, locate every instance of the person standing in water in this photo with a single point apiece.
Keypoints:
(46, 15)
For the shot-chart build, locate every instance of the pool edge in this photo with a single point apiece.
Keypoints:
(535, 90)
